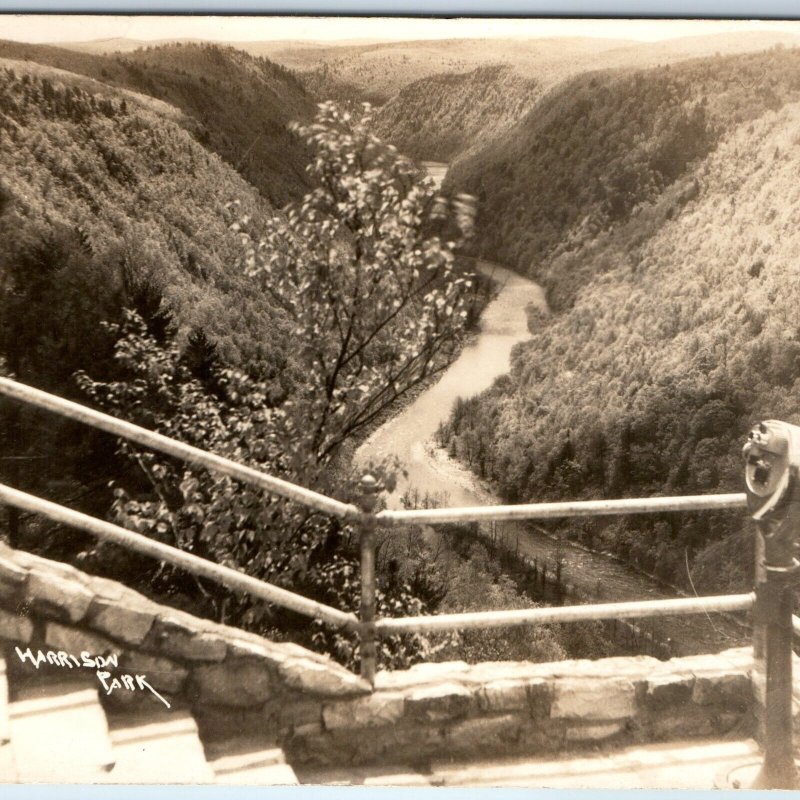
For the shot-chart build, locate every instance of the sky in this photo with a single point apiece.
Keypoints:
(54, 28)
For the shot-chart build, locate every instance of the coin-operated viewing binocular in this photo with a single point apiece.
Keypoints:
(772, 478)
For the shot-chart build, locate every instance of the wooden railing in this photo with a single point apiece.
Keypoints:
(365, 518)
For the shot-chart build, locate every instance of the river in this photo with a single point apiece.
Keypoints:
(409, 436)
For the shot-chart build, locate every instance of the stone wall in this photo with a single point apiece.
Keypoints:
(458, 710)
(232, 680)
(321, 713)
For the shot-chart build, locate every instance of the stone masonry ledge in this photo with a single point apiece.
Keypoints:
(456, 710)
(235, 682)
(218, 671)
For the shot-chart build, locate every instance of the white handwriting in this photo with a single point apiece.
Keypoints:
(101, 664)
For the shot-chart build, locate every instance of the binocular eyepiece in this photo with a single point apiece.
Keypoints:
(772, 459)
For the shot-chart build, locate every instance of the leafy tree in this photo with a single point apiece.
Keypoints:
(216, 518)
(364, 275)
(365, 269)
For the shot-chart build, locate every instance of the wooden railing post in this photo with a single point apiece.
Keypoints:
(370, 491)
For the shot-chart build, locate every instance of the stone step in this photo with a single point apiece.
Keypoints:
(691, 764)
(157, 747)
(59, 734)
(250, 761)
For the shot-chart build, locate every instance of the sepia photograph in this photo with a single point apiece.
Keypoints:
(397, 401)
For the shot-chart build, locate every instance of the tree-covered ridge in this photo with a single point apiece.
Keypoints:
(108, 203)
(146, 199)
(439, 117)
(235, 104)
(603, 144)
(381, 69)
(443, 98)
(649, 383)
(377, 71)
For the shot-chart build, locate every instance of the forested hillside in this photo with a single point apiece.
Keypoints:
(130, 281)
(602, 145)
(145, 198)
(442, 97)
(649, 383)
(235, 104)
(108, 203)
(439, 117)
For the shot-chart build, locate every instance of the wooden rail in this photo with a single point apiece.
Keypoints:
(368, 626)
(176, 449)
(226, 576)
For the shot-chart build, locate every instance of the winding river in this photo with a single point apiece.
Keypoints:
(410, 436)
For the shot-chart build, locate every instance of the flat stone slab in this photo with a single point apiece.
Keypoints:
(15, 627)
(331, 680)
(67, 597)
(587, 699)
(126, 622)
(381, 708)
(438, 702)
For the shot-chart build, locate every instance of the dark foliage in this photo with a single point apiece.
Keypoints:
(107, 204)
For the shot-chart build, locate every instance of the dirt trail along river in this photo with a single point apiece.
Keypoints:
(409, 436)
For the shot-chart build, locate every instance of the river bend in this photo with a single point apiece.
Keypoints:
(409, 436)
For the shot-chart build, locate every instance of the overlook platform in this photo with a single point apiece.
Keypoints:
(249, 710)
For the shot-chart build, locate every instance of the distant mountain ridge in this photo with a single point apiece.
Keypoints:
(381, 70)
(237, 105)
(443, 97)
(441, 117)
(438, 102)
(121, 44)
